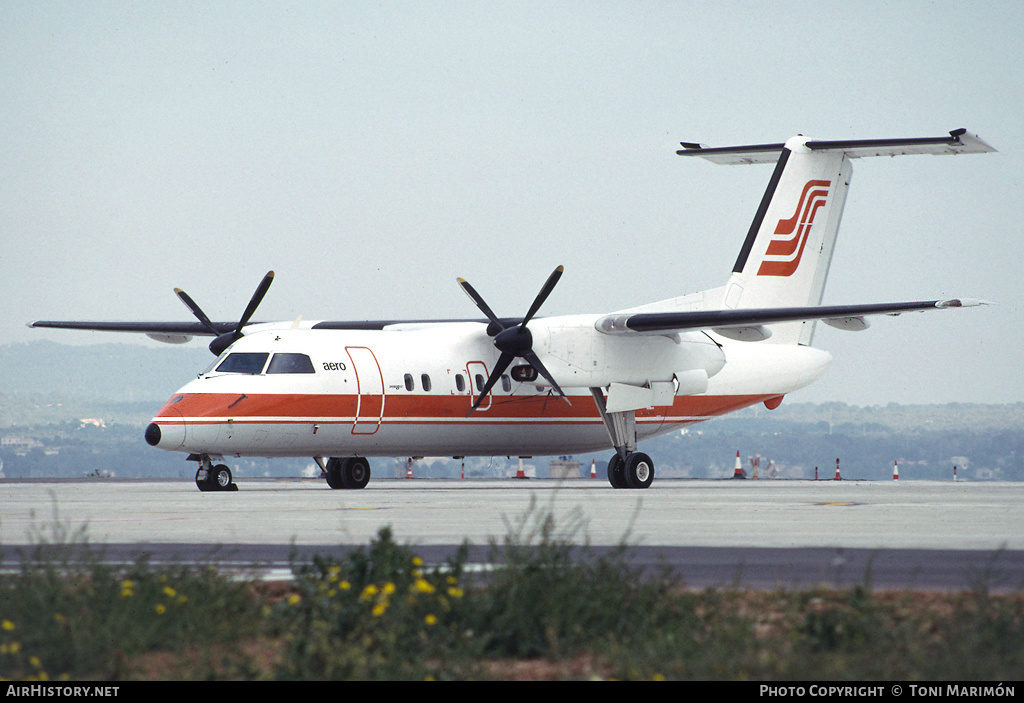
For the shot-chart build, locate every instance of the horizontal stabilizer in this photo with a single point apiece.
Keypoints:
(959, 141)
(750, 319)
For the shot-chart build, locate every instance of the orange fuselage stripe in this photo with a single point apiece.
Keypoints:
(422, 408)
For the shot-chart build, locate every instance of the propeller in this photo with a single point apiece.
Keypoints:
(515, 340)
(224, 340)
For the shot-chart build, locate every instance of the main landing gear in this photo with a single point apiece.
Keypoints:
(346, 472)
(636, 470)
(214, 478)
(628, 468)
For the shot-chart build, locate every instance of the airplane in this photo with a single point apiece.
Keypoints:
(344, 392)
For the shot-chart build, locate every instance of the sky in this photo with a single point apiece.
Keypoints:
(371, 153)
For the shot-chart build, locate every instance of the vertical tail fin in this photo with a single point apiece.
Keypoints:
(786, 256)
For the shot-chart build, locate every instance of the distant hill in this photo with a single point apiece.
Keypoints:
(116, 371)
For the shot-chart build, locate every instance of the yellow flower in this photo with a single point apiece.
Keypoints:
(423, 586)
(455, 592)
(344, 585)
(380, 608)
(293, 599)
(389, 588)
(430, 619)
(169, 592)
(416, 561)
(34, 661)
(160, 608)
(369, 592)
(8, 625)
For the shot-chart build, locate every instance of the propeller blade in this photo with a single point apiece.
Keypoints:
(536, 363)
(254, 302)
(549, 285)
(503, 363)
(516, 340)
(197, 311)
(479, 301)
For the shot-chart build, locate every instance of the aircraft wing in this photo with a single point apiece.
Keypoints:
(169, 328)
(169, 332)
(181, 332)
(748, 324)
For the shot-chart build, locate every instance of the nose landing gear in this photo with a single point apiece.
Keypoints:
(214, 478)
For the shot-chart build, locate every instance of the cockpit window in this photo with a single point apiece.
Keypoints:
(243, 362)
(290, 363)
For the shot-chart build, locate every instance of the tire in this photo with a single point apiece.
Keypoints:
(203, 481)
(639, 470)
(616, 475)
(356, 473)
(220, 478)
(335, 471)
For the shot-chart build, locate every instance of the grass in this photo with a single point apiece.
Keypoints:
(546, 609)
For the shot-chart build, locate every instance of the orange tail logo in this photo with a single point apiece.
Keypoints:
(787, 244)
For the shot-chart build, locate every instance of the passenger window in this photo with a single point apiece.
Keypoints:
(290, 363)
(460, 382)
(243, 362)
(479, 383)
(409, 383)
(506, 383)
(425, 382)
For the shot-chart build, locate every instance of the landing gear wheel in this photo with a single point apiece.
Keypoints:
(356, 473)
(349, 472)
(334, 472)
(639, 470)
(215, 478)
(616, 476)
(221, 478)
(203, 481)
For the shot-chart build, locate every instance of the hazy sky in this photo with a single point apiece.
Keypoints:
(370, 153)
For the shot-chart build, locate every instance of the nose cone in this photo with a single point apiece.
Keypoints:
(166, 431)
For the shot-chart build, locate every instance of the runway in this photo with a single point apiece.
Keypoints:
(764, 533)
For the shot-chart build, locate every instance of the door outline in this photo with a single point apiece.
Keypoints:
(473, 390)
(370, 387)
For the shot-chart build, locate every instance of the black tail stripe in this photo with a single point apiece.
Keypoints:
(755, 226)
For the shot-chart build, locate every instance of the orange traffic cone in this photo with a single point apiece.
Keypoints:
(593, 469)
(838, 477)
(895, 471)
(738, 470)
(408, 469)
(520, 473)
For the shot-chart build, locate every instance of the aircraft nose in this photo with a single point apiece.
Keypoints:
(166, 431)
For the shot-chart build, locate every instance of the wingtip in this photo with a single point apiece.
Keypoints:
(962, 303)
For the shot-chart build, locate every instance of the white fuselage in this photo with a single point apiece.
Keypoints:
(406, 390)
